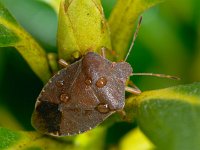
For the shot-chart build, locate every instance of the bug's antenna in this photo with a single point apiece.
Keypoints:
(134, 38)
(156, 75)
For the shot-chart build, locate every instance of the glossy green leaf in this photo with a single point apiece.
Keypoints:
(15, 140)
(12, 34)
(18, 140)
(169, 117)
(8, 120)
(81, 28)
(91, 140)
(43, 23)
(135, 140)
(8, 138)
(122, 21)
(54, 4)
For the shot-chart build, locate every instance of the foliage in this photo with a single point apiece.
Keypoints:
(169, 116)
(160, 119)
(13, 35)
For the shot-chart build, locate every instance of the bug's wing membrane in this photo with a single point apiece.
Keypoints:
(47, 115)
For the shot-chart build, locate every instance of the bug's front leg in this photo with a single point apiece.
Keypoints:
(63, 63)
(103, 54)
(134, 89)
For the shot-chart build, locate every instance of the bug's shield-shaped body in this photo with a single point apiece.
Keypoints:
(81, 96)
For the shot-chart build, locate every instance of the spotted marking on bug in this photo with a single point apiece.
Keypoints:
(103, 108)
(88, 81)
(64, 98)
(101, 82)
(38, 101)
(60, 83)
(55, 134)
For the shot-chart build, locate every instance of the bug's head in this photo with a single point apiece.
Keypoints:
(108, 79)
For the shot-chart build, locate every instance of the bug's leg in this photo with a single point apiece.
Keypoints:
(63, 63)
(103, 49)
(133, 90)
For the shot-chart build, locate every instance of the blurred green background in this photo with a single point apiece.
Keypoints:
(168, 43)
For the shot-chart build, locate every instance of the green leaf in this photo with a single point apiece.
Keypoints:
(12, 34)
(18, 140)
(15, 140)
(91, 140)
(135, 140)
(8, 120)
(169, 117)
(81, 28)
(7, 138)
(122, 21)
(43, 23)
(53, 3)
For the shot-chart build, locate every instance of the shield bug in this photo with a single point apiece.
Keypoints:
(82, 95)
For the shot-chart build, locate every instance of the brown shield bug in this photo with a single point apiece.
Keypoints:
(83, 94)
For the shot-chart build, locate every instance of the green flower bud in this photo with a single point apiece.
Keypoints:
(82, 28)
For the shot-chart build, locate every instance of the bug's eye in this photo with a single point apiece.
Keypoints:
(103, 108)
(101, 82)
